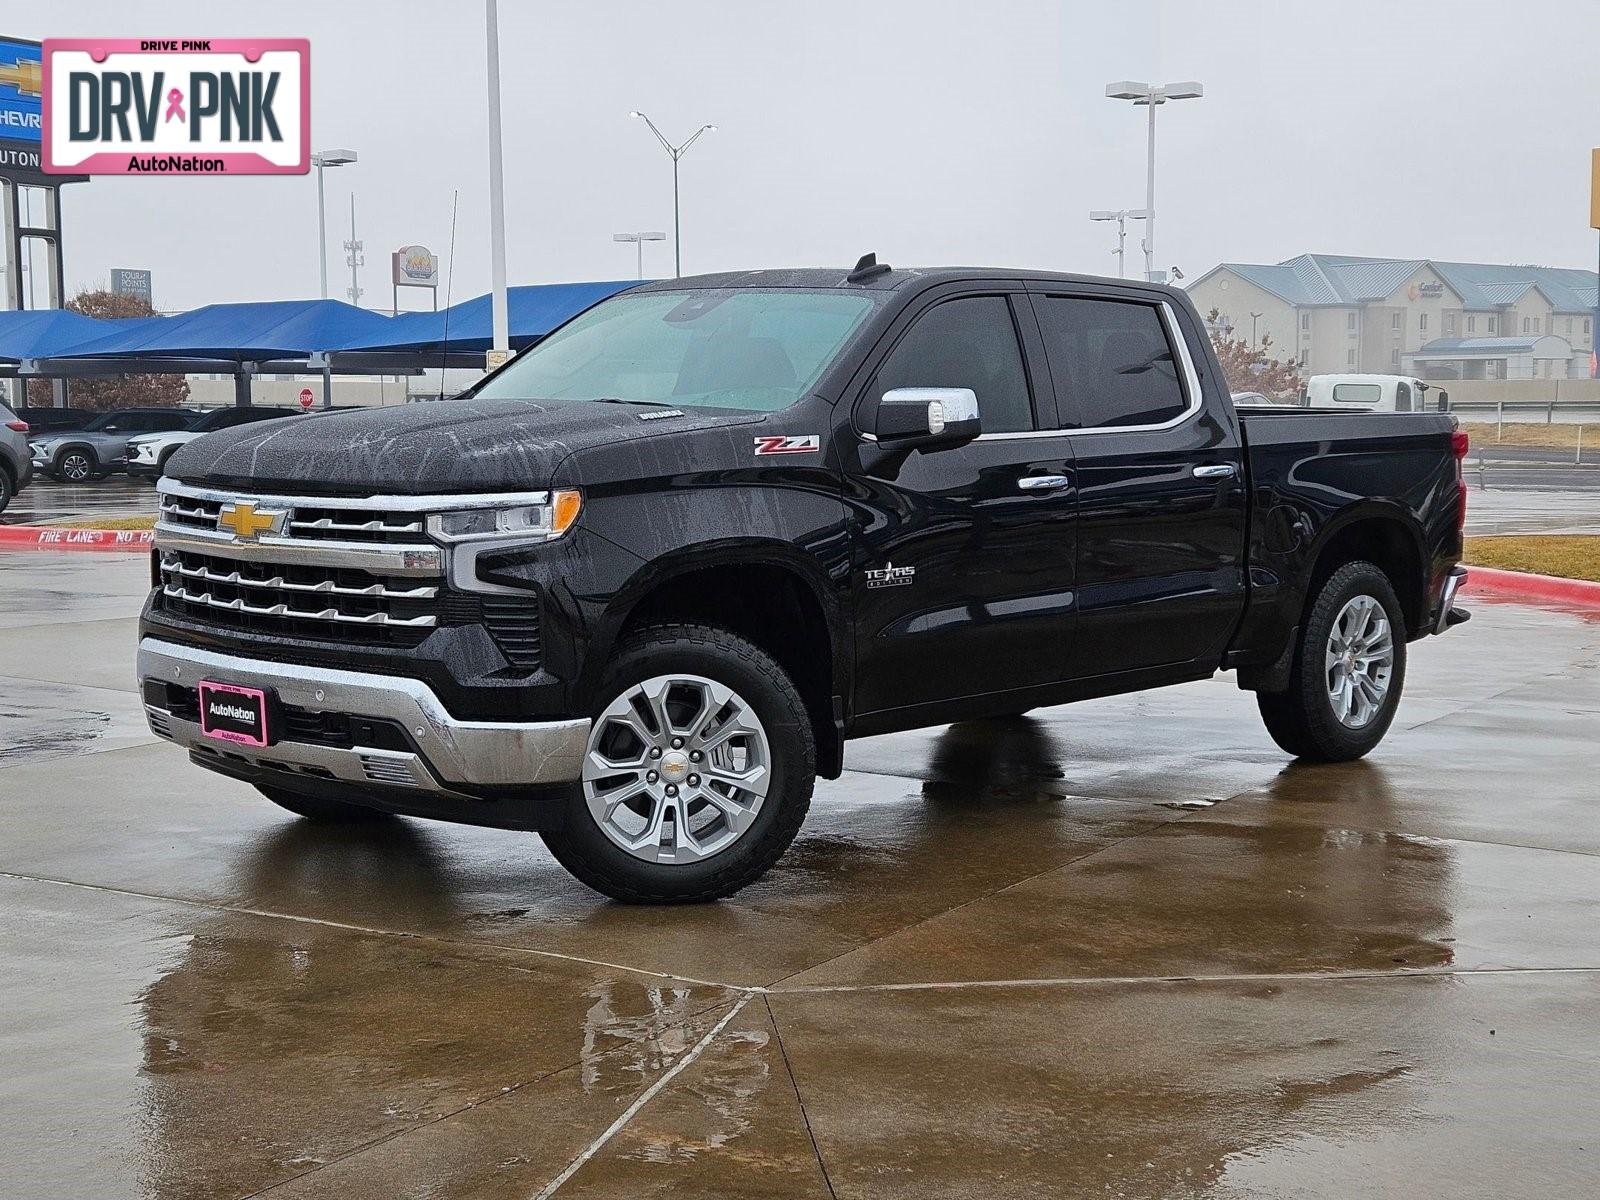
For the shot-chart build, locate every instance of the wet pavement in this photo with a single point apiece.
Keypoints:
(45, 502)
(1119, 948)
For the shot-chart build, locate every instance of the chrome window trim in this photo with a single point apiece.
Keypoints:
(408, 504)
(1189, 377)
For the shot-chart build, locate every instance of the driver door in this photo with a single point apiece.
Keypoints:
(963, 557)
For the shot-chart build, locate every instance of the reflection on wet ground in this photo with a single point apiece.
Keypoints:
(1117, 948)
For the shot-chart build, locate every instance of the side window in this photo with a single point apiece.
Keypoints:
(1111, 362)
(166, 422)
(970, 343)
(1402, 397)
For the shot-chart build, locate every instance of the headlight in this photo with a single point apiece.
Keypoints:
(523, 522)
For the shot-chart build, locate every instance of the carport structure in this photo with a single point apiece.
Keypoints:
(284, 337)
(460, 335)
(242, 340)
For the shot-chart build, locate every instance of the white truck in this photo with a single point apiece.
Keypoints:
(1374, 393)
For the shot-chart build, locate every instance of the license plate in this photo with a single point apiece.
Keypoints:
(231, 713)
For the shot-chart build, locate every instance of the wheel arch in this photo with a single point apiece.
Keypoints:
(1385, 535)
(766, 591)
(66, 448)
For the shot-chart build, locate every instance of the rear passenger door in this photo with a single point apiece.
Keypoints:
(1160, 481)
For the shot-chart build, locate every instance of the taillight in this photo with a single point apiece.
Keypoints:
(17, 426)
(1458, 447)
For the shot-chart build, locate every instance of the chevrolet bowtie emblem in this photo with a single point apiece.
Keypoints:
(246, 524)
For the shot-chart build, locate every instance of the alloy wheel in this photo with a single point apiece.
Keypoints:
(75, 468)
(1360, 661)
(677, 769)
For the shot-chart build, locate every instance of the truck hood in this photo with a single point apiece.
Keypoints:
(435, 448)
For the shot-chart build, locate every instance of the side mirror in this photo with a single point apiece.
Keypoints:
(927, 418)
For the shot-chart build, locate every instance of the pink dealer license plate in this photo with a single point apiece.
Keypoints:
(234, 714)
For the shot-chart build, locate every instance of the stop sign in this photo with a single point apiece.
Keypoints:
(306, 397)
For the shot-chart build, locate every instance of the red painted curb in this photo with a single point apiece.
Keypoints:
(44, 537)
(1524, 585)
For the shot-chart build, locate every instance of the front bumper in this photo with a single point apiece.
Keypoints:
(442, 754)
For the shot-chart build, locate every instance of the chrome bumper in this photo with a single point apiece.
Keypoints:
(454, 755)
(1447, 599)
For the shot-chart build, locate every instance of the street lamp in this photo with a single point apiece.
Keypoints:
(326, 158)
(1152, 95)
(1121, 216)
(639, 239)
(675, 152)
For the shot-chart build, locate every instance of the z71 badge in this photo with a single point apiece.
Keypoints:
(801, 443)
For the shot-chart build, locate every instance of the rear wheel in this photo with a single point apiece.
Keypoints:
(76, 466)
(7, 490)
(1349, 669)
(317, 808)
(699, 770)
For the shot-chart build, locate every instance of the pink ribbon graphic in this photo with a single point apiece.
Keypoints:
(174, 106)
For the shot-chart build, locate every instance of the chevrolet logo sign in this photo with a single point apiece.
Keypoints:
(246, 523)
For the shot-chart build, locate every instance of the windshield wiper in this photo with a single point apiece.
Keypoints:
(620, 400)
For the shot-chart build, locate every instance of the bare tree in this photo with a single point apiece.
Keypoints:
(1253, 368)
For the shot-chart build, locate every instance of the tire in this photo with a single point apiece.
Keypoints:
(1305, 719)
(7, 490)
(746, 712)
(75, 466)
(323, 811)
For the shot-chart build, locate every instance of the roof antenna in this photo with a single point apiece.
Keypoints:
(868, 267)
(449, 288)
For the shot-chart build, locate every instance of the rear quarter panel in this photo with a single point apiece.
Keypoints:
(1314, 472)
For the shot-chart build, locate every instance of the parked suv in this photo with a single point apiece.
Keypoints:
(148, 452)
(16, 466)
(637, 588)
(44, 420)
(101, 446)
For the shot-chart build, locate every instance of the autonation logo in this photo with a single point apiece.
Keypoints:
(167, 107)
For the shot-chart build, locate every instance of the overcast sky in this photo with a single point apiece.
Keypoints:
(930, 131)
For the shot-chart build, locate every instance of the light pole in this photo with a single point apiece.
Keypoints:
(326, 158)
(1152, 96)
(639, 239)
(499, 312)
(675, 152)
(1121, 216)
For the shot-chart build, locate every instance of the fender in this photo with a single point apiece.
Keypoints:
(720, 552)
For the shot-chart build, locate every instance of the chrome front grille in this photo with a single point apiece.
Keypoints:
(351, 570)
(309, 601)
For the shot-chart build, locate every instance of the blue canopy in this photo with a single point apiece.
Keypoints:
(533, 312)
(41, 333)
(278, 329)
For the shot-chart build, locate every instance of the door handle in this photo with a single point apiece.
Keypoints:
(1042, 483)
(1215, 471)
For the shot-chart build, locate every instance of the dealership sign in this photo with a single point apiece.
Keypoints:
(218, 106)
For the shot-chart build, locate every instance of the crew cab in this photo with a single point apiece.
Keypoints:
(636, 589)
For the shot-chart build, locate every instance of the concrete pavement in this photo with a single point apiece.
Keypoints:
(1118, 948)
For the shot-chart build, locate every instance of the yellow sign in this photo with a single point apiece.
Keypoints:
(1594, 189)
(245, 522)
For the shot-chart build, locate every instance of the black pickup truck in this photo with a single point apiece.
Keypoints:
(637, 588)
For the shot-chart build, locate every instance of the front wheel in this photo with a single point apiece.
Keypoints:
(76, 466)
(698, 772)
(7, 490)
(1349, 669)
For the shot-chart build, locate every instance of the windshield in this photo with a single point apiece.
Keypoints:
(711, 348)
(101, 421)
